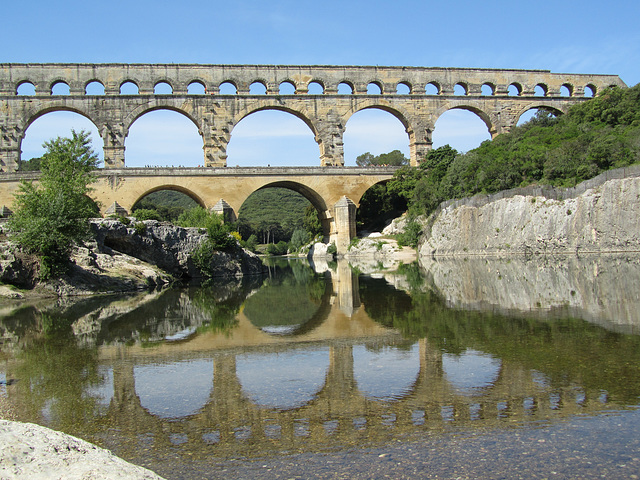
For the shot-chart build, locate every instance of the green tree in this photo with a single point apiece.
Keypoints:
(394, 158)
(53, 216)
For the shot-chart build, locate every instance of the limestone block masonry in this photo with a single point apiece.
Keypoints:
(401, 91)
(597, 216)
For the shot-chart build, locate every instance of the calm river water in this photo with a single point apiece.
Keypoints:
(447, 369)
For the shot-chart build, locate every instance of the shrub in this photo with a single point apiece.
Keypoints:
(147, 214)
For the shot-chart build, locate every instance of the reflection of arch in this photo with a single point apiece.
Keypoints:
(315, 320)
(392, 369)
(168, 378)
(288, 374)
(176, 188)
(461, 376)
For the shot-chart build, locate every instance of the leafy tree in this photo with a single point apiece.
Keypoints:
(394, 158)
(147, 214)
(53, 216)
(311, 221)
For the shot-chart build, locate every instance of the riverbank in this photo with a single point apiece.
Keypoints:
(597, 216)
(123, 258)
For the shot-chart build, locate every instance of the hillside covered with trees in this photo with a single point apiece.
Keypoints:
(592, 137)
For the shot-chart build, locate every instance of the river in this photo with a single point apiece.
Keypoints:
(444, 369)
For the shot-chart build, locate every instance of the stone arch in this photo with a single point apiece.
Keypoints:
(593, 90)
(434, 85)
(127, 81)
(176, 188)
(349, 84)
(52, 109)
(404, 84)
(26, 82)
(160, 83)
(261, 83)
(375, 84)
(566, 90)
(490, 86)
(57, 83)
(462, 85)
(538, 106)
(544, 88)
(151, 107)
(196, 82)
(287, 84)
(518, 87)
(319, 82)
(93, 81)
(484, 116)
(307, 192)
(231, 82)
(275, 106)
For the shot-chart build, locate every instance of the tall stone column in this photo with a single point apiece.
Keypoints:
(10, 137)
(216, 133)
(330, 139)
(420, 142)
(345, 223)
(113, 135)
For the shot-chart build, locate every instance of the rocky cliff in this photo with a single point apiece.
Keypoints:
(124, 258)
(600, 215)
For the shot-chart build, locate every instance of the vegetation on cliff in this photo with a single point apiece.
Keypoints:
(592, 137)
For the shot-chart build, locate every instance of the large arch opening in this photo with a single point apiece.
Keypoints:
(460, 128)
(164, 204)
(50, 126)
(163, 138)
(539, 113)
(282, 212)
(377, 208)
(376, 132)
(270, 137)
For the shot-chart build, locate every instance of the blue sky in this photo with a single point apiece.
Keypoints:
(564, 37)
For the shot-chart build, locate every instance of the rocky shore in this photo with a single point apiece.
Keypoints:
(122, 258)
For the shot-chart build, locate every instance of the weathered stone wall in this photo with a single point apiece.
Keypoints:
(326, 114)
(600, 215)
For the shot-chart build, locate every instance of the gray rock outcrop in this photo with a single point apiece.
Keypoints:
(598, 216)
(170, 247)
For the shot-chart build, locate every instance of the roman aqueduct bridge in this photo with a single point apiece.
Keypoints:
(416, 96)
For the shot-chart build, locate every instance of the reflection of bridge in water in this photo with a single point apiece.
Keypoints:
(229, 420)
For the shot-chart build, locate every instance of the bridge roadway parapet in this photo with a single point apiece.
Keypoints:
(484, 92)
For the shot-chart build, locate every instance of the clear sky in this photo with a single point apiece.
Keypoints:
(561, 36)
